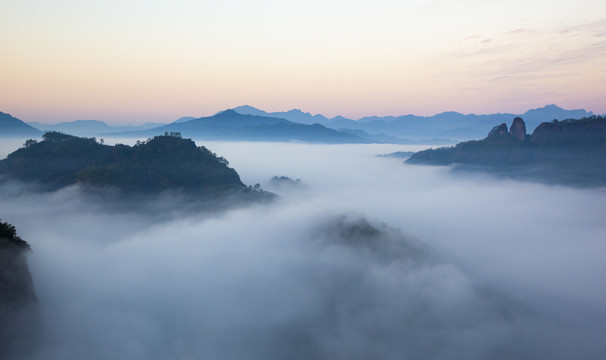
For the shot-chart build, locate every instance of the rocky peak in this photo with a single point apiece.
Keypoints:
(518, 129)
(228, 112)
(498, 130)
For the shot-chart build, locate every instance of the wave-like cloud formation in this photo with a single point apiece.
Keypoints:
(371, 259)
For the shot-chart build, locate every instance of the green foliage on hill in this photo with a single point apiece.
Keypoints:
(568, 152)
(284, 181)
(8, 235)
(160, 163)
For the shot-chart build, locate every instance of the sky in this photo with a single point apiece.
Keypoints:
(134, 61)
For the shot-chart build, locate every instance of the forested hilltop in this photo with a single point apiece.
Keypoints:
(571, 152)
(158, 164)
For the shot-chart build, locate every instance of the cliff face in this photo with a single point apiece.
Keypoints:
(498, 130)
(18, 303)
(518, 129)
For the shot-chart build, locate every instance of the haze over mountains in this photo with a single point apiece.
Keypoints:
(447, 125)
(11, 126)
(249, 123)
(231, 125)
(91, 127)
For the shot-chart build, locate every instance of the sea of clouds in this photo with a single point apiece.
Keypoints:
(368, 259)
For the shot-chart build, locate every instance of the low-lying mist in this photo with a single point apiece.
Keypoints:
(370, 259)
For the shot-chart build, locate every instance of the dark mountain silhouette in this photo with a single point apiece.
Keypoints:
(12, 127)
(518, 129)
(231, 125)
(162, 163)
(18, 302)
(569, 152)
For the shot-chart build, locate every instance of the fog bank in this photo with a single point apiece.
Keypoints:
(371, 259)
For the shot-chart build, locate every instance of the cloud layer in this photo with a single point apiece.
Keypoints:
(372, 259)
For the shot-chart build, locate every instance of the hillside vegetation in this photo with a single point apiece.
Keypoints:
(160, 163)
(569, 152)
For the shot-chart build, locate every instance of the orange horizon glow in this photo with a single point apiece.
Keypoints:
(132, 63)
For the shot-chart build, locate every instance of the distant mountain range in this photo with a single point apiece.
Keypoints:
(294, 115)
(447, 125)
(249, 123)
(91, 127)
(11, 126)
(231, 125)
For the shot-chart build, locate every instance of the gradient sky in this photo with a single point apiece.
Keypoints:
(132, 61)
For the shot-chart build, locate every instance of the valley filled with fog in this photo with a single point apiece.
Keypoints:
(365, 258)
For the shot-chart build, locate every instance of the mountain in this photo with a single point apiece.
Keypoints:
(442, 128)
(231, 125)
(91, 127)
(294, 115)
(250, 110)
(78, 127)
(161, 163)
(571, 152)
(389, 139)
(405, 128)
(338, 123)
(398, 154)
(447, 125)
(145, 126)
(18, 303)
(11, 126)
(183, 119)
(535, 117)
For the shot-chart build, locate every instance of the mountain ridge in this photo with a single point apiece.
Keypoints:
(91, 127)
(233, 126)
(11, 126)
(448, 127)
(162, 163)
(568, 152)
